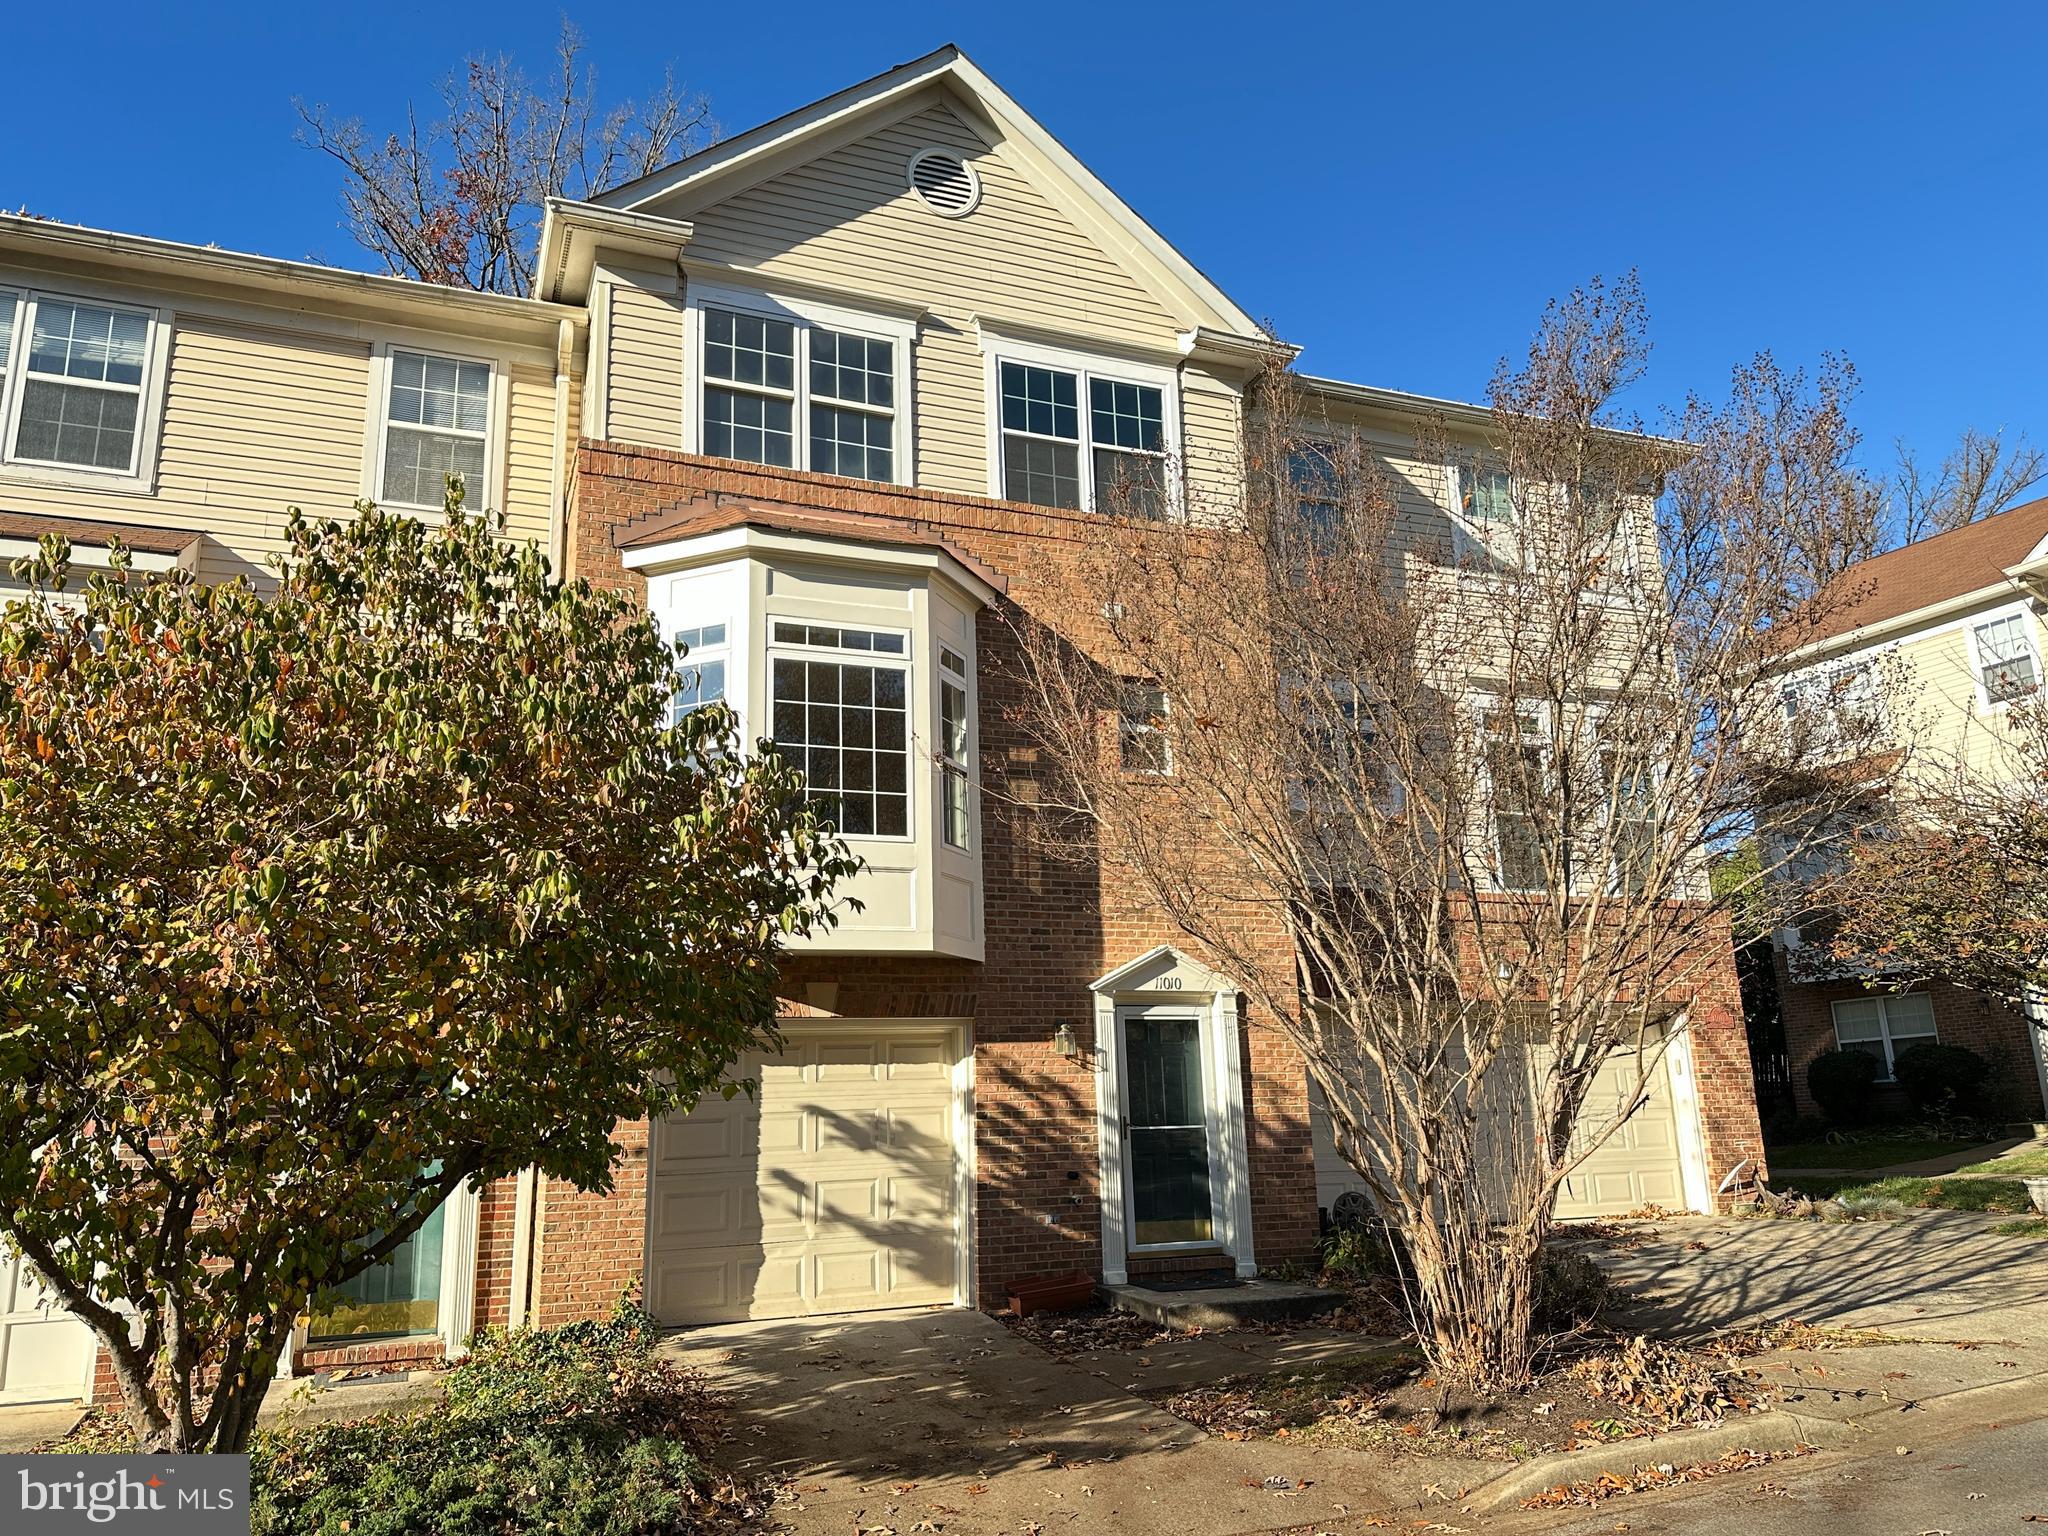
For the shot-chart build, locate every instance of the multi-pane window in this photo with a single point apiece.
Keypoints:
(703, 667)
(2006, 661)
(1143, 745)
(1518, 762)
(955, 804)
(78, 373)
(437, 425)
(1883, 1026)
(844, 721)
(763, 376)
(1631, 814)
(1486, 493)
(1111, 457)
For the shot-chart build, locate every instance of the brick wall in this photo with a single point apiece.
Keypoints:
(1053, 925)
(1970, 1019)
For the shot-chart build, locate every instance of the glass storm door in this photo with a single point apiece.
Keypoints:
(1166, 1126)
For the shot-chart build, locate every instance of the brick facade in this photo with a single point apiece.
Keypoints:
(1051, 928)
(1969, 1019)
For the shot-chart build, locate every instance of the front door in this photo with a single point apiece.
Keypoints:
(1166, 1130)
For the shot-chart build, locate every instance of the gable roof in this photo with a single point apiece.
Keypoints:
(1125, 235)
(1944, 569)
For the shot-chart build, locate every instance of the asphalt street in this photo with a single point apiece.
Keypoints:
(1970, 1483)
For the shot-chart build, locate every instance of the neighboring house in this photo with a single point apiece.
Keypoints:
(839, 383)
(1942, 638)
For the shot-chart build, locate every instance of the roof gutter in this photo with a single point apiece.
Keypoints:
(2031, 578)
(573, 233)
(19, 231)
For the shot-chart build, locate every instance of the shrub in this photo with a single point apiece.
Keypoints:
(1357, 1255)
(1570, 1290)
(1841, 1083)
(1944, 1080)
(576, 1429)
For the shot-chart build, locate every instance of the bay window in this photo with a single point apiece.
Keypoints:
(703, 668)
(956, 809)
(840, 712)
(798, 387)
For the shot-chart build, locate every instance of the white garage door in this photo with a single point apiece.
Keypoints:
(836, 1190)
(1640, 1163)
(45, 1353)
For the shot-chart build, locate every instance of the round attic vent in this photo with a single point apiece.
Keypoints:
(944, 182)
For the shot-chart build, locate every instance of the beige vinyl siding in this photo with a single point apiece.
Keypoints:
(1931, 698)
(258, 419)
(1212, 439)
(254, 421)
(530, 452)
(847, 222)
(644, 368)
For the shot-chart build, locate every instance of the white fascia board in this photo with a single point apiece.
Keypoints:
(1899, 628)
(727, 544)
(96, 557)
(574, 234)
(1406, 404)
(1117, 218)
(271, 273)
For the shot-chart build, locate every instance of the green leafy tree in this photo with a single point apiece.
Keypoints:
(317, 905)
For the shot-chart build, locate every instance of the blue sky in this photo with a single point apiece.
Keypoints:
(1399, 188)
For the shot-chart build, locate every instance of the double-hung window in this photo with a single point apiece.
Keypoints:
(839, 706)
(703, 667)
(1518, 768)
(956, 807)
(1882, 1026)
(1074, 437)
(1318, 488)
(437, 427)
(2007, 665)
(797, 394)
(1486, 494)
(75, 377)
(1143, 745)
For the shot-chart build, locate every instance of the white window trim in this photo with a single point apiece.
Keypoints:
(803, 313)
(1485, 706)
(801, 651)
(490, 497)
(1884, 1024)
(965, 763)
(2023, 611)
(697, 655)
(139, 478)
(998, 349)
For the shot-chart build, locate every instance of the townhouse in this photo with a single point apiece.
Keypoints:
(1938, 640)
(822, 396)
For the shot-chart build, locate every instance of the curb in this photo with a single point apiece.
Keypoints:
(1773, 1430)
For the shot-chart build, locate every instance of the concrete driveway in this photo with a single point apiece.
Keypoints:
(886, 1420)
(1933, 1275)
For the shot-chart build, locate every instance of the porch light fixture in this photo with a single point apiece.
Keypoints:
(1063, 1042)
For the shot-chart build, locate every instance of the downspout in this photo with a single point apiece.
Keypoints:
(558, 474)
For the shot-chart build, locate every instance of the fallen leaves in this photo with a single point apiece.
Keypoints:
(1611, 1485)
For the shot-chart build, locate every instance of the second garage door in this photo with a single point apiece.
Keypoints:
(1640, 1164)
(837, 1189)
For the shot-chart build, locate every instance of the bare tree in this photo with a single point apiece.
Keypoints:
(458, 201)
(1980, 475)
(1436, 788)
